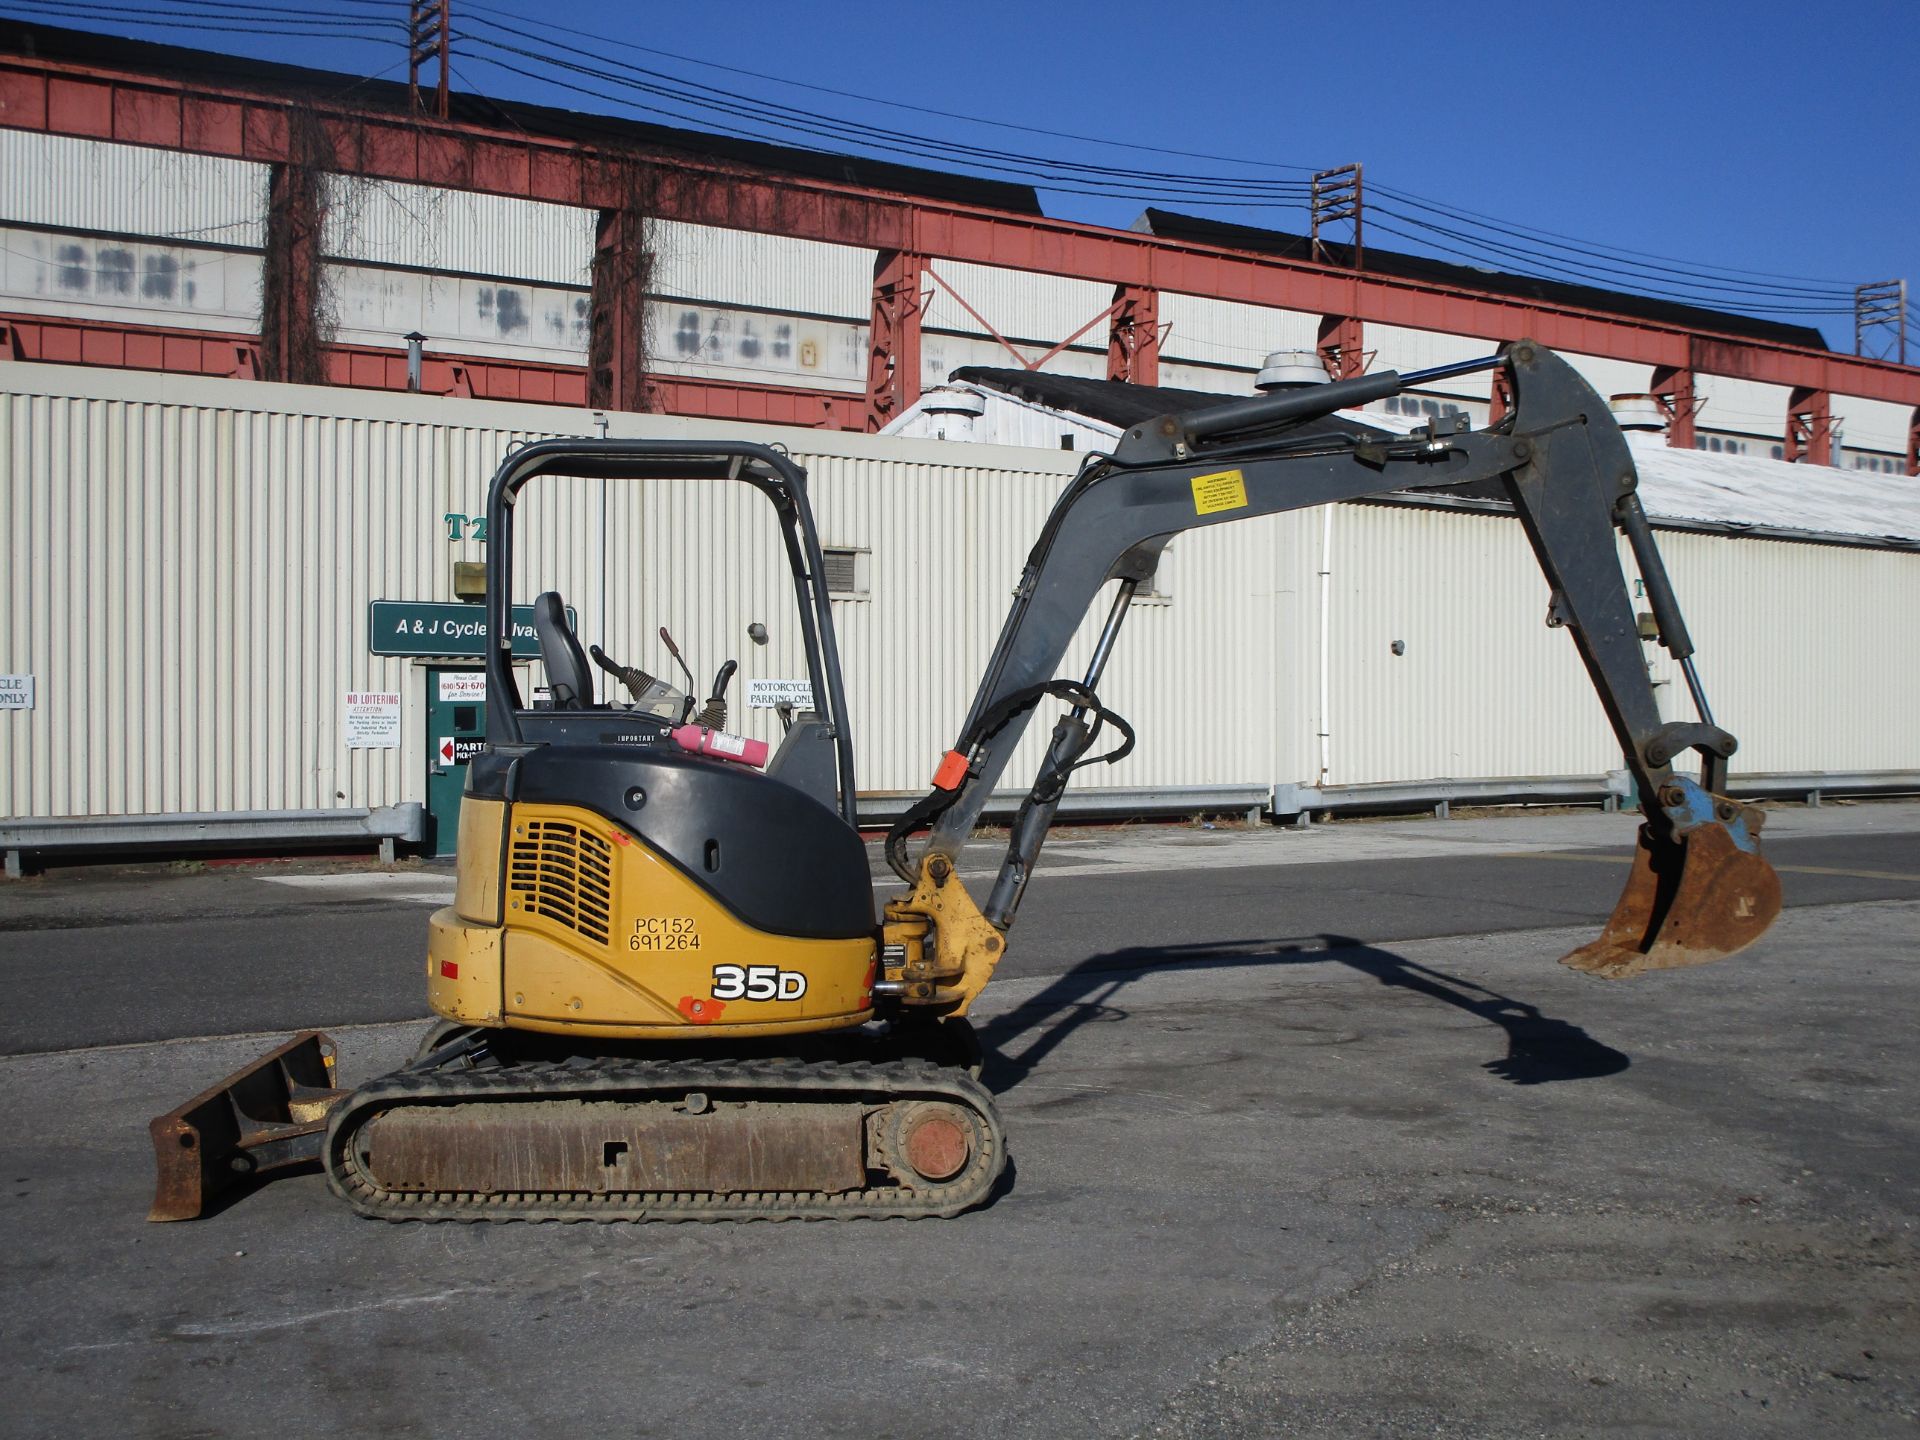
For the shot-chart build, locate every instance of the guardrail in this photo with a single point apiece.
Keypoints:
(210, 831)
(1147, 802)
(1297, 804)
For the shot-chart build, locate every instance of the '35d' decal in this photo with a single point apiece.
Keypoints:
(757, 982)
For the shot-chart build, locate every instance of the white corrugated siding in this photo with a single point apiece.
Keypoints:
(771, 272)
(189, 580)
(1872, 424)
(1807, 652)
(130, 190)
(1747, 406)
(1483, 688)
(1022, 305)
(424, 227)
(1226, 332)
(750, 348)
(84, 277)
(1608, 376)
(1396, 347)
(375, 306)
(190, 584)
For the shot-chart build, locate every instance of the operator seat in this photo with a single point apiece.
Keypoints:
(567, 674)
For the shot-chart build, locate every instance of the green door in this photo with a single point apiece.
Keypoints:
(456, 726)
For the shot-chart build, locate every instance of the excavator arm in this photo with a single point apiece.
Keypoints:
(1699, 887)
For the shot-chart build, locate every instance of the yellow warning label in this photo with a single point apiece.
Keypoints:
(1226, 490)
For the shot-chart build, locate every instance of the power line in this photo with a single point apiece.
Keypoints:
(470, 8)
(1556, 235)
(1545, 269)
(1823, 290)
(1118, 187)
(310, 26)
(1838, 303)
(824, 126)
(1573, 261)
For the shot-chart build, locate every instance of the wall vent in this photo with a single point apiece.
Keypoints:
(846, 571)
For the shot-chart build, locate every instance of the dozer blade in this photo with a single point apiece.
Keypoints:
(1698, 898)
(269, 1116)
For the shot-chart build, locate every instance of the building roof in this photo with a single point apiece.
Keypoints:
(234, 71)
(1686, 489)
(1227, 236)
(1747, 494)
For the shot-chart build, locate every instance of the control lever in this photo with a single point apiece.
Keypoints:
(648, 693)
(635, 680)
(713, 714)
(686, 711)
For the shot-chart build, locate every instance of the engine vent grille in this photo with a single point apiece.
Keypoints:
(565, 874)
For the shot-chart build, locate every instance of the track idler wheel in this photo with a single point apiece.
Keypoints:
(1696, 897)
(930, 1142)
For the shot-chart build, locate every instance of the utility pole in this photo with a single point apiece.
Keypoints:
(429, 38)
(1881, 306)
(1336, 197)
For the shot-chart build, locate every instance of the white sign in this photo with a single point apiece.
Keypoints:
(469, 685)
(372, 720)
(16, 692)
(765, 694)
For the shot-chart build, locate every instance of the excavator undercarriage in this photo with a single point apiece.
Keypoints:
(664, 991)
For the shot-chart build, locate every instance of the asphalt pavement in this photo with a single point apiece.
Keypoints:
(168, 952)
(1309, 1137)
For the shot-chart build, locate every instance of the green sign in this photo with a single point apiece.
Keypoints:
(434, 628)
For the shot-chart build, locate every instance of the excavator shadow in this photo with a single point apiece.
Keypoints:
(1540, 1048)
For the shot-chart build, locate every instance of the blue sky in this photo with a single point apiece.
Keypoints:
(1753, 136)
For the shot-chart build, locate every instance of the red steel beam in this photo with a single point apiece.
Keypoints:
(893, 343)
(1672, 391)
(759, 404)
(1810, 427)
(1343, 341)
(616, 321)
(1133, 337)
(1500, 396)
(53, 341)
(141, 109)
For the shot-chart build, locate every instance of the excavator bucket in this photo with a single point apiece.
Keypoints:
(269, 1116)
(1696, 897)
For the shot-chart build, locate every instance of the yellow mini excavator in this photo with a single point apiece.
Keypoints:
(664, 989)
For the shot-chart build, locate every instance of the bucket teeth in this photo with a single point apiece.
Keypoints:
(1700, 897)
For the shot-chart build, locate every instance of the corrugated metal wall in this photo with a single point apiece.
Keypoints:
(1483, 688)
(1020, 304)
(190, 561)
(1226, 332)
(773, 272)
(94, 185)
(1808, 652)
(424, 227)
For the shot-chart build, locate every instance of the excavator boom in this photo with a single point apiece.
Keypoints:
(1699, 889)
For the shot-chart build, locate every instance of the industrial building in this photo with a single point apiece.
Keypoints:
(265, 333)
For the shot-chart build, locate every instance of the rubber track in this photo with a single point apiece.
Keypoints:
(863, 1083)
